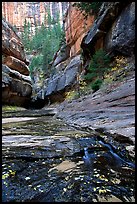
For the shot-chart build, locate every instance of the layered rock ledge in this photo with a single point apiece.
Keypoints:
(16, 82)
(110, 113)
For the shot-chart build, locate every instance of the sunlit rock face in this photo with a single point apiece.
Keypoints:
(16, 82)
(16, 13)
(76, 26)
(34, 12)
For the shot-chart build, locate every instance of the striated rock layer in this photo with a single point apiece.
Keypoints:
(16, 82)
(109, 114)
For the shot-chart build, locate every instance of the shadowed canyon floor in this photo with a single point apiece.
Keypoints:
(46, 160)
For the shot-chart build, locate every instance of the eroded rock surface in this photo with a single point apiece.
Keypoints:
(76, 26)
(16, 82)
(62, 54)
(16, 64)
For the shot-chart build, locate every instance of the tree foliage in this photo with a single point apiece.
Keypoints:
(36, 63)
(88, 8)
(26, 35)
(45, 42)
(98, 66)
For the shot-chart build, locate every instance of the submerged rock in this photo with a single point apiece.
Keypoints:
(45, 160)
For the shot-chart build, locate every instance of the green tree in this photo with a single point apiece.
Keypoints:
(45, 42)
(36, 63)
(26, 35)
(98, 66)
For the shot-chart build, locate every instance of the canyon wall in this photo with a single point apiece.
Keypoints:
(113, 30)
(76, 26)
(34, 12)
(16, 82)
(16, 13)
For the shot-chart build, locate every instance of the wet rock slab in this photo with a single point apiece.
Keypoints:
(111, 113)
(44, 160)
(29, 112)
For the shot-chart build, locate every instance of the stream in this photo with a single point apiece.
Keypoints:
(46, 160)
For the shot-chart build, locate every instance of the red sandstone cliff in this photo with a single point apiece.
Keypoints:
(16, 13)
(76, 26)
(34, 12)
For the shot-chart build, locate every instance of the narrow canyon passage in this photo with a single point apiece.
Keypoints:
(68, 102)
(45, 160)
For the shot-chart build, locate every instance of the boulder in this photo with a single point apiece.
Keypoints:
(72, 70)
(67, 78)
(63, 80)
(62, 65)
(51, 87)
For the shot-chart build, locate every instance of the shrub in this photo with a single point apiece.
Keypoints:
(96, 85)
(9, 108)
(71, 95)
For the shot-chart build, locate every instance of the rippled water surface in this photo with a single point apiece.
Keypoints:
(45, 160)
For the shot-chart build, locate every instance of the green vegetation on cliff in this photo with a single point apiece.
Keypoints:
(98, 67)
(45, 41)
(88, 7)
